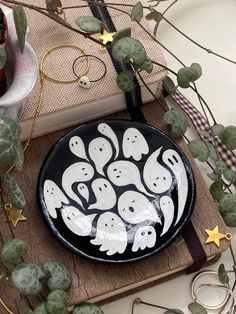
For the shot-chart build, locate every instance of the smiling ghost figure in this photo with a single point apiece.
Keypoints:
(168, 211)
(122, 173)
(145, 237)
(156, 177)
(53, 197)
(104, 193)
(134, 144)
(111, 234)
(100, 151)
(76, 221)
(77, 172)
(107, 131)
(76, 145)
(134, 208)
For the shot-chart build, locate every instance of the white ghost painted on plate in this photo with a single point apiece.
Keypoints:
(168, 211)
(53, 197)
(76, 145)
(104, 193)
(145, 237)
(111, 234)
(134, 208)
(76, 221)
(83, 191)
(134, 144)
(172, 159)
(107, 131)
(156, 177)
(100, 151)
(77, 172)
(122, 173)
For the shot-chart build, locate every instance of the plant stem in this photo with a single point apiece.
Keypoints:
(196, 43)
(167, 9)
(5, 307)
(157, 306)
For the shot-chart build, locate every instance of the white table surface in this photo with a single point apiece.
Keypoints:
(213, 24)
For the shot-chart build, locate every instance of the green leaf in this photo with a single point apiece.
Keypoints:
(213, 153)
(57, 302)
(137, 12)
(125, 32)
(229, 218)
(222, 274)
(216, 190)
(196, 308)
(230, 175)
(28, 311)
(213, 176)
(198, 69)
(169, 85)
(147, 65)
(90, 24)
(60, 278)
(19, 155)
(228, 137)
(9, 133)
(87, 308)
(53, 5)
(17, 197)
(185, 76)
(125, 80)
(128, 48)
(20, 24)
(13, 250)
(41, 308)
(173, 116)
(178, 129)
(3, 57)
(216, 129)
(155, 16)
(173, 311)
(228, 203)
(26, 278)
(220, 167)
(199, 150)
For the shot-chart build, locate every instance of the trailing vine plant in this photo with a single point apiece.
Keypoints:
(32, 279)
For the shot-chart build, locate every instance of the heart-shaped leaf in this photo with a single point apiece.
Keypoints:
(3, 57)
(213, 176)
(155, 16)
(228, 137)
(147, 65)
(20, 24)
(57, 302)
(173, 116)
(87, 308)
(229, 218)
(169, 85)
(228, 203)
(125, 80)
(26, 277)
(199, 150)
(185, 76)
(137, 12)
(198, 69)
(230, 175)
(17, 196)
(60, 278)
(90, 24)
(222, 274)
(129, 48)
(125, 32)
(196, 308)
(13, 250)
(41, 308)
(216, 129)
(53, 5)
(178, 129)
(217, 192)
(220, 167)
(213, 153)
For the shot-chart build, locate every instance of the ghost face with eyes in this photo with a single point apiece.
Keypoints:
(111, 234)
(100, 151)
(53, 197)
(76, 145)
(145, 237)
(134, 144)
(104, 193)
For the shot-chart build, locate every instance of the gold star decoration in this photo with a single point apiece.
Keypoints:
(106, 37)
(14, 215)
(215, 236)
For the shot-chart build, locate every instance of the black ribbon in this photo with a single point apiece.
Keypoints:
(134, 103)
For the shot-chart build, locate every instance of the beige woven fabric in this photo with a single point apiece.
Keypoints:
(45, 33)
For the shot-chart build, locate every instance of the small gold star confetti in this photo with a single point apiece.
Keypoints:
(106, 37)
(215, 236)
(14, 215)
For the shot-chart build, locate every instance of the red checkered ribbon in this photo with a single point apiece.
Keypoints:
(201, 124)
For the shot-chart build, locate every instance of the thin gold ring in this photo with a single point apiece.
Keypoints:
(57, 80)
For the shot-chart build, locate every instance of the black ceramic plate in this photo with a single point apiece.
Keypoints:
(116, 190)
